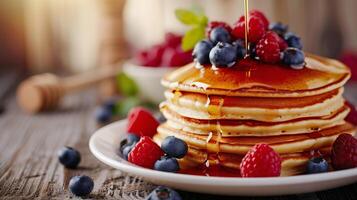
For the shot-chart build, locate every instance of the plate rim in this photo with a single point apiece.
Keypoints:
(125, 166)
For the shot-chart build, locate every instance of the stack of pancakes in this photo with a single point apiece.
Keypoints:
(222, 113)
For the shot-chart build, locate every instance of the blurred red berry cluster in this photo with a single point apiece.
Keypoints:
(349, 58)
(167, 54)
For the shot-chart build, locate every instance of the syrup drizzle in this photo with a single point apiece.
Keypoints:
(246, 30)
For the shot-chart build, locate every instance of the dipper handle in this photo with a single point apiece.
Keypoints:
(45, 91)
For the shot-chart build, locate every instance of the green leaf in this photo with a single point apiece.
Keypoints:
(187, 17)
(192, 37)
(126, 85)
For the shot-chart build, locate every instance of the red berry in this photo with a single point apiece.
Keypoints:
(145, 153)
(268, 49)
(141, 122)
(260, 15)
(261, 161)
(172, 40)
(352, 116)
(176, 57)
(344, 152)
(256, 29)
(150, 57)
(215, 24)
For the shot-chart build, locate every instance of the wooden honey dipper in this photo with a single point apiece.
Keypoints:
(45, 91)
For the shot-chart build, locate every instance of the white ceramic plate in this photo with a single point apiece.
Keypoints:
(104, 144)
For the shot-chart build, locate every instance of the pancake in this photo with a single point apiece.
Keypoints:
(292, 164)
(200, 106)
(231, 127)
(222, 113)
(255, 79)
(241, 145)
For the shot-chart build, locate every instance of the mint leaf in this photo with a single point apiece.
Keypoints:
(126, 85)
(187, 17)
(192, 37)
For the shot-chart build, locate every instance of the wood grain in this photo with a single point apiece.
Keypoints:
(29, 168)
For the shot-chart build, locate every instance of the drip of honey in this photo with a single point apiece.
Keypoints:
(246, 30)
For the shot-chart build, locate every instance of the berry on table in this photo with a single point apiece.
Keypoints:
(141, 122)
(174, 147)
(103, 115)
(261, 161)
(201, 51)
(167, 164)
(69, 157)
(268, 49)
(81, 185)
(223, 55)
(279, 28)
(256, 29)
(316, 165)
(293, 40)
(215, 24)
(219, 34)
(163, 193)
(145, 153)
(294, 57)
(344, 152)
(241, 51)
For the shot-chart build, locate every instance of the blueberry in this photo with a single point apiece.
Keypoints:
(81, 185)
(161, 118)
(279, 28)
(201, 51)
(69, 157)
(164, 193)
(109, 105)
(174, 147)
(223, 55)
(219, 34)
(103, 115)
(293, 57)
(317, 165)
(127, 149)
(167, 164)
(241, 51)
(292, 40)
(132, 138)
(252, 51)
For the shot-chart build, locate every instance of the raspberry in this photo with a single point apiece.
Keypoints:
(261, 161)
(145, 153)
(352, 116)
(172, 40)
(344, 152)
(268, 49)
(141, 122)
(215, 24)
(256, 29)
(260, 15)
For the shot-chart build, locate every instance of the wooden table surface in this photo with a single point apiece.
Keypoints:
(29, 168)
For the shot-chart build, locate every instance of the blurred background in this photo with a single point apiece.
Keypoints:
(76, 35)
(72, 36)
